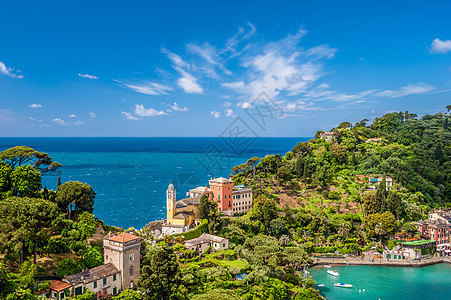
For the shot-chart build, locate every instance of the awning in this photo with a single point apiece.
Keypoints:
(448, 251)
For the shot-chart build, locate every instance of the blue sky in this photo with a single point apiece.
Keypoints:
(189, 68)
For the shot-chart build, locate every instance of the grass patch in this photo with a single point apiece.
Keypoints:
(238, 263)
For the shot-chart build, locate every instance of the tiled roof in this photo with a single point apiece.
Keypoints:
(58, 285)
(93, 274)
(205, 238)
(183, 215)
(188, 201)
(220, 180)
(124, 237)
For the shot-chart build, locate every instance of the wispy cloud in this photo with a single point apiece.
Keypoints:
(147, 87)
(215, 114)
(409, 89)
(10, 71)
(230, 113)
(440, 47)
(72, 116)
(88, 76)
(35, 105)
(189, 83)
(140, 111)
(92, 115)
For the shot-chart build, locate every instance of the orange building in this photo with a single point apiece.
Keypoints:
(222, 189)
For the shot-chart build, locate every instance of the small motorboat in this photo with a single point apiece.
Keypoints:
(333, 273)
(327, 266)
(344, 285)
(321, 285)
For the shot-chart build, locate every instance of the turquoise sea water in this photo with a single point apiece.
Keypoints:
(130, 175)
(386, 283)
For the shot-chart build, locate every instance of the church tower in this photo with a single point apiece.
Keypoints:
(170, 203)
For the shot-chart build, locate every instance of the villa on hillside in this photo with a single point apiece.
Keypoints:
(206, 240)
(121, 270)
(181, 215)
(374, 140)
(328, 136)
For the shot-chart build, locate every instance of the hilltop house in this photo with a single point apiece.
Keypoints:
(328, 136)
(374, 140)
(206, 240)
(121, 269)
(183, 214)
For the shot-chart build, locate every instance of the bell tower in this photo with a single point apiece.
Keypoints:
(170, 203)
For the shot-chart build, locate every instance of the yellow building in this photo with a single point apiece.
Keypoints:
(182, 212)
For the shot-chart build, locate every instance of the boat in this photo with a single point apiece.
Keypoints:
(333, 273)
(321, 285)
(345, 285)
(306, 272)
(327, 266)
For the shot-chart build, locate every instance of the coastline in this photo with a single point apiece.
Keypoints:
(378, 262)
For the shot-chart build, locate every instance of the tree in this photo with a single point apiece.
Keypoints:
(128, 294)
(448, 108)
(381, 193)
(299, 166)
(446, 123)
(264, 210)
(253, 162)
(160, 275)
(380, 230)
(75, 193)
(25, 181)
(27, 218)
(277, 228)
(394, 204)
(20, 155)
(204, 207)
(218, 293)
(284, 174)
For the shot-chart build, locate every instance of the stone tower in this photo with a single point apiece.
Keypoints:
(124, 251)
(170, 203)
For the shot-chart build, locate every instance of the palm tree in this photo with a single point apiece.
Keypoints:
(380, 230)
(284, 240)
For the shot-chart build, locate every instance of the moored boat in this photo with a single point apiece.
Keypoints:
(345, 285)
(321, 285)
(333, 273)
(327, 266)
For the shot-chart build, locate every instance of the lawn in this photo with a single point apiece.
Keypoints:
(238, 263)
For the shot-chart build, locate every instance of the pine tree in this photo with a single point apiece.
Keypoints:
(445, 124)
(299, 166)
(381, 193)
(304, 175)
(59, 182)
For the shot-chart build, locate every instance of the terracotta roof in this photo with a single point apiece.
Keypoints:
(183, 215)
(124, 237)
(93, 274)
(188, 201)
(58, 285)
(220, 180)
(205, 238)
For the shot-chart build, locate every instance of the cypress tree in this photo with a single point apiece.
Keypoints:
(45, 195)
(59, 182)
(304, 176)
(298, 167)
(445, 124)
(380, 194)
(204, 207)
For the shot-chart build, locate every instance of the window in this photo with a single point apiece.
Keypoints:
(131, 271)
(132, 257)
(104, 281)
(107, 256)
(219, 197)
(114, 291)
(78, 291)
(223, 245)
(114, 277)
(95, 284)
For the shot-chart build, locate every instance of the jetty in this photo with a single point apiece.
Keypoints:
(357, 261)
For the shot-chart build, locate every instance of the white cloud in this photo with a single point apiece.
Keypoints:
(9, 71)
(79, 123)
(229, 113)
(189, 84)
(141, 111)
(440, 47)
(176, 107)
(72, 116)
(227, 104)
(34, 105)
(148, 88)
(215, 114)
(236, 85)
(129, 116)
(92, 115)
(409, 89)
(88, 76)
(59, 121)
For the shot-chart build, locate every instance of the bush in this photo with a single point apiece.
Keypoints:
(196, 232)
(334, 195)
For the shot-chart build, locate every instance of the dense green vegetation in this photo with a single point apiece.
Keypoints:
(316, 200)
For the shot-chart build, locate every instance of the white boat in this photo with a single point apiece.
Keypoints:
(333, 273)
(321, 285)
(327, 266)
(345, 285)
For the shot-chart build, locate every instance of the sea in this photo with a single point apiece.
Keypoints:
(130, 175)
(386, 283)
